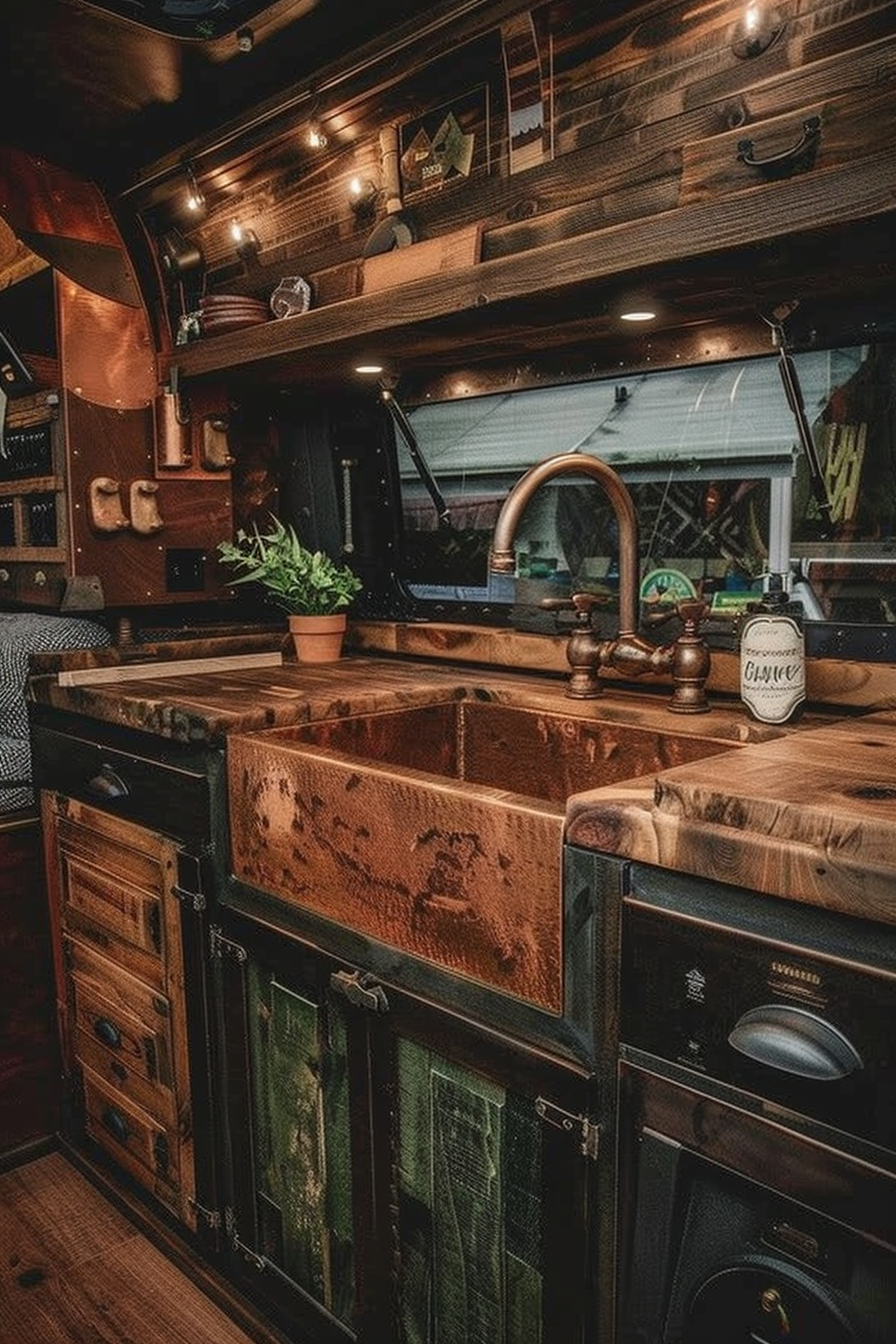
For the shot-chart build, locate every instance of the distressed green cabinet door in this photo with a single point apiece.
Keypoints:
(302, 1161)
(470, 1221)
(494, 1175)
(291, 1214)
(399, 1175)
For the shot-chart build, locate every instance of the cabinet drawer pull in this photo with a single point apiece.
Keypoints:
(107, 783)
(116, 1124)
(799, 156)
(793, 1040)
(107, 1032)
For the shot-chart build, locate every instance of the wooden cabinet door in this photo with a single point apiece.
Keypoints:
(122, 996)
(397, 1173)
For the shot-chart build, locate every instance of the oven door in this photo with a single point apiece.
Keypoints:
(734, 1229)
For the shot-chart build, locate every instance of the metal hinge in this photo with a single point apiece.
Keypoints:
(194, 899)
(188, 887)
(245, 1251)
(211, 1217)
(221, 947)
(361, 989)
(587, 1129)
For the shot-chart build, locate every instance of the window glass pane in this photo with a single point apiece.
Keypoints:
(697, 447)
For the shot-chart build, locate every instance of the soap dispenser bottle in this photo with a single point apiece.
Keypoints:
(772, 656)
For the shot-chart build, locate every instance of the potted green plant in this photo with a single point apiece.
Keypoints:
(309, 586)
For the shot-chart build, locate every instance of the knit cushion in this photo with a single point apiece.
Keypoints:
(21, 634)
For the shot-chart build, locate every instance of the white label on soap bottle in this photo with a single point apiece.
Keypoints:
(772, 667)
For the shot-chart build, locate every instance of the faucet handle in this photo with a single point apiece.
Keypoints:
(691, 611)
(581, 603)
(583, 649)
(690, 660)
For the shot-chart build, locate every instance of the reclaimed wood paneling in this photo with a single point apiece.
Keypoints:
(119, 958)
(646, 109)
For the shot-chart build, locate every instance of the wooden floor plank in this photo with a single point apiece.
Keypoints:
(73, 1270)
(52, 1218)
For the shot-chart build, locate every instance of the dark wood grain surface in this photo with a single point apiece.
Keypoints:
(811, 818)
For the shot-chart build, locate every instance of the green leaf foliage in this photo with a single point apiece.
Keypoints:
(299, 581)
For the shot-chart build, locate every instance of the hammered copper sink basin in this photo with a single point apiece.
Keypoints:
(436, 829)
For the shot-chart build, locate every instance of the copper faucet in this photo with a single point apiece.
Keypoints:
(687, 658)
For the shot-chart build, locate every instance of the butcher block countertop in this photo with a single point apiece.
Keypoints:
(811, 817)
(200, 700)
(807, 812)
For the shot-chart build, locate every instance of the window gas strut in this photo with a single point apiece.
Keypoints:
(404, 427)
(791, 383)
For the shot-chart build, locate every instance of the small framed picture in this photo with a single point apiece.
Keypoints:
(448, 145)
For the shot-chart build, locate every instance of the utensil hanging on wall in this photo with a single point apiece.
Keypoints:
(173, 427)
(397, 229)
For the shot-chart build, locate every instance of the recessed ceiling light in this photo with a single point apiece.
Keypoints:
(638, 315)
(370, 370)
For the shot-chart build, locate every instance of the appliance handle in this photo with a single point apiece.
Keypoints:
(793, 1040)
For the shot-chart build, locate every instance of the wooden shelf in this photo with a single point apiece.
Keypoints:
(506, 302)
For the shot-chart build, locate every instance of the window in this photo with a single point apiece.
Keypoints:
(713, 459)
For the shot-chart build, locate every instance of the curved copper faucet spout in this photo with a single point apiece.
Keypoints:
(503, 559)
(628, 654)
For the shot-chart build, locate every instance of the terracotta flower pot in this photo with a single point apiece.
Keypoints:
(318, 639)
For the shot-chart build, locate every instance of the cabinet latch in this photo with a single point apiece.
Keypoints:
(587, 1129)
(361, 989)
(188, 887)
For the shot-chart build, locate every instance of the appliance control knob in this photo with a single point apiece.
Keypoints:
(770, 1301)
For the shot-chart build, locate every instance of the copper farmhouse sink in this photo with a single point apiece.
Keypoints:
(436, 829)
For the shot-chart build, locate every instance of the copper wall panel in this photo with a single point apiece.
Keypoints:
(106, 349)
(196, 513)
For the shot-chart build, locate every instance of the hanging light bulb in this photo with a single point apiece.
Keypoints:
(195, 198)
(317, 138)
(362, 194)
(759, 25)
(245, 240)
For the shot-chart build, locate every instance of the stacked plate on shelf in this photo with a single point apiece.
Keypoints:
(230, 312)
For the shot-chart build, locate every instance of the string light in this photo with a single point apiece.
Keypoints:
(195, 198)
(317, 138)
(246, 240)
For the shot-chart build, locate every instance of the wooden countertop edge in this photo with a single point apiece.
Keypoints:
(630, 827)
(395, 663)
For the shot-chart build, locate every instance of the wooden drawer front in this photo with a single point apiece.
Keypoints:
(128, 913)
(146, 1148)
(115, 878)
(122, 1031)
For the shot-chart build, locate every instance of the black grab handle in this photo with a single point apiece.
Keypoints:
(799, 156)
